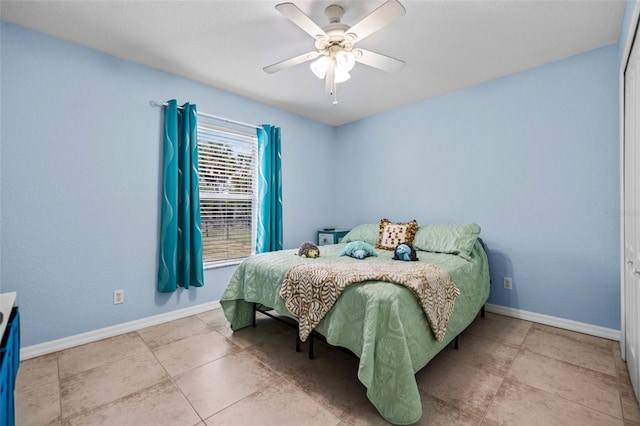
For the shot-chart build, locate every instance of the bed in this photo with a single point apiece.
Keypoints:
(382, 323)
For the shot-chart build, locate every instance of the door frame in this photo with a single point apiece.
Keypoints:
(633, 25)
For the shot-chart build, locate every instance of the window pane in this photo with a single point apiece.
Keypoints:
(226, 229)
(227, 163)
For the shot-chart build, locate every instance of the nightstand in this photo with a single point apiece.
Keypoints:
(331, 236)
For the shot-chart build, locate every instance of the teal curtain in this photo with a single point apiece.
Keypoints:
(269, 233)
(180, 259)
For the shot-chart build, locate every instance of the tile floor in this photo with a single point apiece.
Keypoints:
(195, 371)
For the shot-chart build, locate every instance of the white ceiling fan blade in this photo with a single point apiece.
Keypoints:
(291, 62)
(376, 60)
(374, 21)
(298, 17)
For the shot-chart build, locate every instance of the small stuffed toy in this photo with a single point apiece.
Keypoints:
(405, 251)
(360, 254)
(308, 249)
(358, 250)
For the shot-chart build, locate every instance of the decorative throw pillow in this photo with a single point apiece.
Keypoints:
(394, 233)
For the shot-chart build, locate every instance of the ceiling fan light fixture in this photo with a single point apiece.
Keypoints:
(342, 75)
(345, 60)
(320, 67)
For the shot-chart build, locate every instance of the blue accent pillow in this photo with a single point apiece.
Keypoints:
(358, 250)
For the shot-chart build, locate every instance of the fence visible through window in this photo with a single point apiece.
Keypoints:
(227, 162)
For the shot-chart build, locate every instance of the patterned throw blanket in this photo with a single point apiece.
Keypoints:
(311, 289)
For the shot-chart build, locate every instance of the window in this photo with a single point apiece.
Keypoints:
(228, 170)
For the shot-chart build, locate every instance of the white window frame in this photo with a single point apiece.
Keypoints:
(238, 141)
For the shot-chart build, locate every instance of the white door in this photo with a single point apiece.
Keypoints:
(631, 217)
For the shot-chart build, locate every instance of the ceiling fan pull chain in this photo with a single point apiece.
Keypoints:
(330, 80)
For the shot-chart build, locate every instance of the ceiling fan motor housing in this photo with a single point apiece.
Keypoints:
(335, 30)
(336, 33)
(334, 13)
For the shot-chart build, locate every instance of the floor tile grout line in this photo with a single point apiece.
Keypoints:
(287, 379)
(450, 403)
(101, 341)
(302, 352)
(99, 366)
(622, 383)
(446, 400)
(30, 386)
(59, 389)
(574, 365)
(175, 384)
(525, 350)
(173, 379)
(570, 401)
(340, 417)
(69, 377)
(472, 365)
(235, 350)
(139, 391)
(147, 344)
(169, 377)
(522, 349)
(594, 347)
(618, 382)
(243, 398)
(506, 375)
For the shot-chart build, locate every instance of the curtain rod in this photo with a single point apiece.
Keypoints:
(214, 117)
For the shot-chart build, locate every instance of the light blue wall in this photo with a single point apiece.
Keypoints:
(532, 157)
(80, 153)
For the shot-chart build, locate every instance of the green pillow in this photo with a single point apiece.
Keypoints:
(456, 239)
(368, 233)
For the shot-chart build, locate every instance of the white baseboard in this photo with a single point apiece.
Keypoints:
(103, 333)
(580, 327)
(115, 330)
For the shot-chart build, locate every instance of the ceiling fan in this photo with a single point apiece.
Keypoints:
(335, 52)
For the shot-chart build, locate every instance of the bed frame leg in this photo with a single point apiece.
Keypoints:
(311, 345)
(455, 343)
(298, 341)
(482, 311)
(253, 315)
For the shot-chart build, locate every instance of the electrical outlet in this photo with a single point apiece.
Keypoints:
(508, 283)
(118, 296)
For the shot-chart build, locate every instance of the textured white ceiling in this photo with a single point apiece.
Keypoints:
(447, 45)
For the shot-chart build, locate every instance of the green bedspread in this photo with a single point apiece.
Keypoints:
(382, 323)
